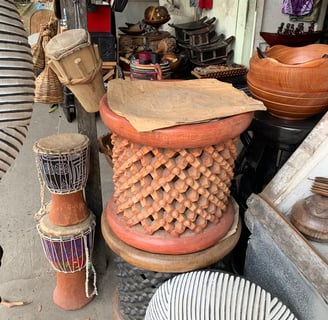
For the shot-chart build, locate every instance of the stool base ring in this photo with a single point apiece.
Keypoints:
(163, 243)
(165, 262)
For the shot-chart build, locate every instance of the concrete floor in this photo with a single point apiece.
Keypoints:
(25, 274)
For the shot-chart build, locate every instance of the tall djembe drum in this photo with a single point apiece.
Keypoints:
(65, 225)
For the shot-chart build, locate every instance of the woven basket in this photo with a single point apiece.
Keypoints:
(219, 71)
(38, 55)
(48, 88)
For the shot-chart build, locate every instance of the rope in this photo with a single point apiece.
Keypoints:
(93, 271)
(42, 210)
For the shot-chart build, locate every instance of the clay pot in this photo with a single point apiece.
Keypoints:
(291, 82)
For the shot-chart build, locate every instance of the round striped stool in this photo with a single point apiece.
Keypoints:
(205, 295)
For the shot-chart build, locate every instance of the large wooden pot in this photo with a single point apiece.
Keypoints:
(291, 82)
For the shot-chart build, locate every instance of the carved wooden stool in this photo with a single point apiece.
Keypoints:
(171, 209)
(171, 186)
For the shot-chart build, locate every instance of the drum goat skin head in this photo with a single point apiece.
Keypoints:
(16, 84)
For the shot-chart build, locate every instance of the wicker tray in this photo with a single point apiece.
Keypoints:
(219, 71)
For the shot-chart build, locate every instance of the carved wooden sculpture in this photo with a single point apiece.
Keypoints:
(16, 84)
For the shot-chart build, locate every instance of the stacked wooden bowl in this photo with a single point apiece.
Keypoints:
(291, 81)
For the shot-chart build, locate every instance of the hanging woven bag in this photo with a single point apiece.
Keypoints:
(48, 88)
(38, 56)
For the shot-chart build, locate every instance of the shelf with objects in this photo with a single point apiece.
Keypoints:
(146, 51)
(275, 134)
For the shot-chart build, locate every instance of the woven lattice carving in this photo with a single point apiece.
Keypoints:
(172, 189)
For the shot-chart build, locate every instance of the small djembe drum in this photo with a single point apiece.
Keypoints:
(63, 167)
(66, 226)
(67, 248)
(69, 251)
(78, 66)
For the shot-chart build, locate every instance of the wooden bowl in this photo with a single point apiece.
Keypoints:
(291, 77)
(290, 111)
(273, 39)
(293, 94)
(315, 100)
(291, 56)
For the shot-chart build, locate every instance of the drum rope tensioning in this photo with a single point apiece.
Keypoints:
(65, 225)
(68, 249)
(64, 168)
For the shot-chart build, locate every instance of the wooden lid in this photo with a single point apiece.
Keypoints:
(310, 217)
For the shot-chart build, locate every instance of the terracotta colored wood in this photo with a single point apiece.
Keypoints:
(165, 262)
(310, 54)
(297, 111)
(163, 243)
(290, 69)
(288, 74)
(288, 94)
(69, 293)
(184, 136)
(303, 99)
(68, 209)
(171, 191)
